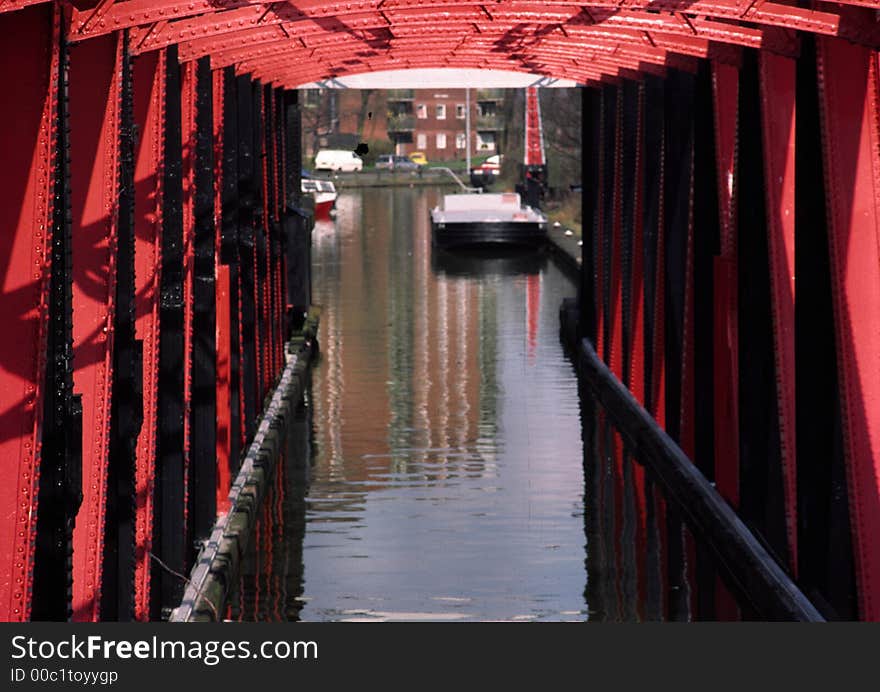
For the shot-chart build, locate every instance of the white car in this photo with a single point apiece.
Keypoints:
(338, 160)
(492, 164)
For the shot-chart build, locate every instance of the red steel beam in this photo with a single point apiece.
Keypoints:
(568, 71)
(640, 58)
(229, 54)
(94, 122)
(520, 27)
(585, 68)
(848, 102)
(517, 36)
(615, 64)
(12, 5)
(224, 317)
(251, 39)
(149, 98)
(26, 178)
(195, 17)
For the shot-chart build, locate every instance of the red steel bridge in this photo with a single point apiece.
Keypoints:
(151, 276)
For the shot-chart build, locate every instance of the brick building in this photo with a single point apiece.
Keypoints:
(433, 121)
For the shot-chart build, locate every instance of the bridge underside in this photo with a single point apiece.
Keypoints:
(151, 169)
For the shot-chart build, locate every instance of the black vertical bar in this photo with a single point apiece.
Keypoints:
(591, 114)
(629, 170)
(651, 217)
(269, 130)
(677, 179)
(260, 226)
(60, 491)
(278, 243)
(653, 555)
(707, 245)
(761, 498)
(246, 248)
(629, 140)
(229, 255)
(293, 150)
(608, 161)
(825, 557)
(649, 183)
(169, 531)
(203, 405)
(297, 223)
(126, 412)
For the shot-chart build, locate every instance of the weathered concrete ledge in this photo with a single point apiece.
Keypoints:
(219, 562)
(382, 178)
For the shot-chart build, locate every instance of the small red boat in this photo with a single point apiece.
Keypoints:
(324, 193)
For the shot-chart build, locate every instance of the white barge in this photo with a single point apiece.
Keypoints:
(486, 219)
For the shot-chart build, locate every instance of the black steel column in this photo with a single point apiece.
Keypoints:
(60, 492)
(271, 186)
(297, 223)
(126, 412)
(229, 255)
(203, 404)
(246, 247)
(608, 162)
(630, 196)
(761, 495)
(677, 179)
(653, 130)
(293, 150)
(677, 182)
(278, 173)
(169, 526)
(590, 115)
(260, 227)
(706, 246)
(825, 557)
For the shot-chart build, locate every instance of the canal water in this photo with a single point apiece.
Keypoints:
(444, 465)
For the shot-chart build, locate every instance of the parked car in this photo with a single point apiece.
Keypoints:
(419, 158)
(338, 160)
(485, 174)
(491, 165)
(393, 162)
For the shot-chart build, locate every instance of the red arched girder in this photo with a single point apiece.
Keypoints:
(524, 36)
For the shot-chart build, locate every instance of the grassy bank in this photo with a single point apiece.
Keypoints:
(566, 211)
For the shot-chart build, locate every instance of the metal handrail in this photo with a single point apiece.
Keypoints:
(464, 187)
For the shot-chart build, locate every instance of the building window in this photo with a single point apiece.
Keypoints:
(441, 140)
(441, 111)
(486, 141)
(421, 111)
(422, 141)
(460, 140)
(459, 111)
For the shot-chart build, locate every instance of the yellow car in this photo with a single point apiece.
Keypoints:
(419, 158)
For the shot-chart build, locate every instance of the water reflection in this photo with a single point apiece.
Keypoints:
(643, 562)
(445, 465)
(446, 475)
(271, 584)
